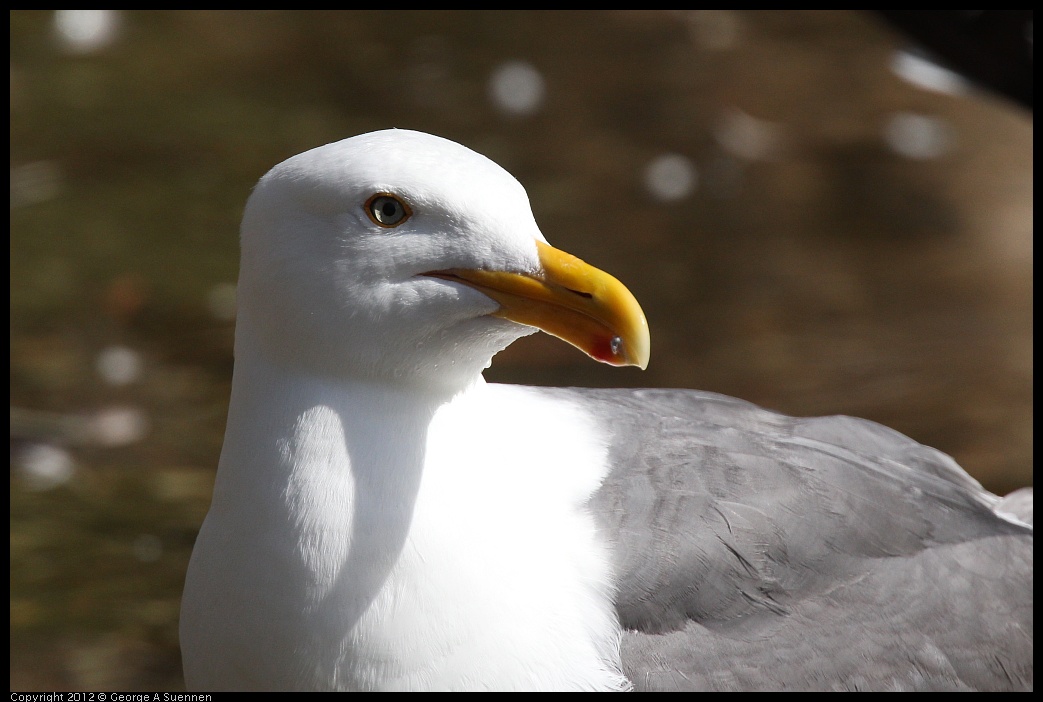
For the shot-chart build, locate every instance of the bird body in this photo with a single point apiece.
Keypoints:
(384, 519)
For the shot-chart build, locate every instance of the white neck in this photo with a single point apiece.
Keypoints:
(406, 540)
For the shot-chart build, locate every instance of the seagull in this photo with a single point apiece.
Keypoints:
(385, 519)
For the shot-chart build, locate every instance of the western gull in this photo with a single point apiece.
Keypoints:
(384, 519)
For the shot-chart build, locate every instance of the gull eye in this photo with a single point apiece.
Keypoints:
(386, 210)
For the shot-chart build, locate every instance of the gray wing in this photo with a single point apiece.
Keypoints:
(760, 551)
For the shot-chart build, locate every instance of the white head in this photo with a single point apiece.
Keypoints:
(332, 277)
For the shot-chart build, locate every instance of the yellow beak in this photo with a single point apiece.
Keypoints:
(571, 300)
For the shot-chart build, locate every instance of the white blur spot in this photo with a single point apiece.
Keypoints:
(148, 548)
(119, 426)
(45, 467)
(84, 31)
(221, 301)
(671, 177)
(918, 137)
(924, 73)
(714, 30)
(35, 182)
(517, 88)
(118, 365)
(746, 136)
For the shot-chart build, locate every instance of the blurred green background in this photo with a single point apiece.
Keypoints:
(812, 218)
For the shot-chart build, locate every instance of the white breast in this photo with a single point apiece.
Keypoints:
(487, 574)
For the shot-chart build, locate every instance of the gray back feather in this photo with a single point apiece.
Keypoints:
(760, 551)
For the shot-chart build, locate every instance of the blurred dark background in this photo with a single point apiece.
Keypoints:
(813, 216)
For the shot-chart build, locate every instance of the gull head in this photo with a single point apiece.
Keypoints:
(404, 257)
